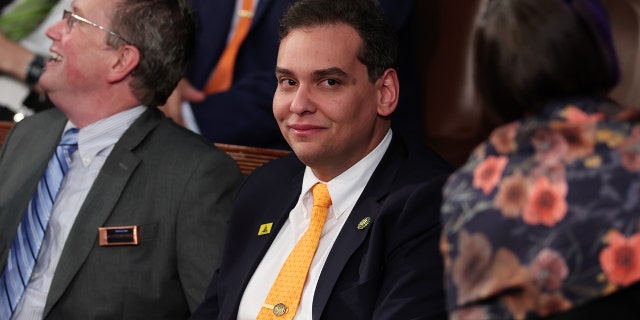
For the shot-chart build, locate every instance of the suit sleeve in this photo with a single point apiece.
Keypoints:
(243, 114)
(209, 309)
(412, 287)
(203, 214)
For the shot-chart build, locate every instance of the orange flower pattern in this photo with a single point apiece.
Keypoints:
(488, 173)
(621, 259)
(512, 195)
(544, 214)
(546, 203)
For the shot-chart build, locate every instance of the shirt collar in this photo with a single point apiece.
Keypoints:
(104, 133)
(342, 187)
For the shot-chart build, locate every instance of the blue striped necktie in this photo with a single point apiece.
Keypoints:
(28, 239)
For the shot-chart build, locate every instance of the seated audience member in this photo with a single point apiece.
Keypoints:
(240, 111)
(108, 209)
(350, 219)
(23, 51)
(543, 218)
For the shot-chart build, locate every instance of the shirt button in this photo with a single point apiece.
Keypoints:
(86, 160)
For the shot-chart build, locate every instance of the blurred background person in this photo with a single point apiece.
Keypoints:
(543, 218)
(24, 47)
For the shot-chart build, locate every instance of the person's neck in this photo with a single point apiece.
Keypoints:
(83, 112)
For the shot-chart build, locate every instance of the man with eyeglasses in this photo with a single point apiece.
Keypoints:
(134, 228)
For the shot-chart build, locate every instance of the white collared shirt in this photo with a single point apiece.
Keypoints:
(95, 143)
(345, 190)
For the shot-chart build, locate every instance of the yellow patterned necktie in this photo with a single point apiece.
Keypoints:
(284, 296)
(24, 17)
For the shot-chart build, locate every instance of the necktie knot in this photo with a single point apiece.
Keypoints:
(321, 197)
(70, 137)
(67, 146)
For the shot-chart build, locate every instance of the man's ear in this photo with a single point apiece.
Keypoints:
(388, 92)
(127, 59)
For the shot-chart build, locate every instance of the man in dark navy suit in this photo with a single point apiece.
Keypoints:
(378, 254)
(242, 114)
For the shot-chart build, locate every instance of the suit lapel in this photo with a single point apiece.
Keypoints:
(99, 204)
(350, 238)
(258, 248)
(32, 148)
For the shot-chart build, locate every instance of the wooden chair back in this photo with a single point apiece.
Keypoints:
(249, 158)
(5, 127)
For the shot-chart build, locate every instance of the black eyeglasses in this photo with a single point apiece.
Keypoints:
(72, 18)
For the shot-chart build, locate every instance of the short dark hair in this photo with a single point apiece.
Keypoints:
(530, 51)
(380, 43)
(164, 33)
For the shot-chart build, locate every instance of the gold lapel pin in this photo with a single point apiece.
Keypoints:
(265, 229)
(364, 223)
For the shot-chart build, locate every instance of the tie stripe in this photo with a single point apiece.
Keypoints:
(31, 230)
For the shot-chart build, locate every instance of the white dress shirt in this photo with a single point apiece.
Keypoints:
(95, 143)
(345, 190)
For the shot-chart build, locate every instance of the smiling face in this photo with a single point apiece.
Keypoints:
(329, 112)
(78, 52)
(80, 57)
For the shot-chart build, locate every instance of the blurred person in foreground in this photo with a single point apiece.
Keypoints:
(135, 227)
(542, 221)
(377, 244)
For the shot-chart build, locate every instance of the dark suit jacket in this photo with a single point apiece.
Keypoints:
(243, 115)
(168, 181)
(390, 270)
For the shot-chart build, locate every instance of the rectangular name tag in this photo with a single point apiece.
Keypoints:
(119, 236)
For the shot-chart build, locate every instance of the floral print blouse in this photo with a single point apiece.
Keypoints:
(545, 215)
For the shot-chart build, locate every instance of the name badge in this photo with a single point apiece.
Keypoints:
(119, 236)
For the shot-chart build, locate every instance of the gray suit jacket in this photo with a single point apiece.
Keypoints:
(172, 184)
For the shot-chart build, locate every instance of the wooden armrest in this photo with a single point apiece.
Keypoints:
(249, 158)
